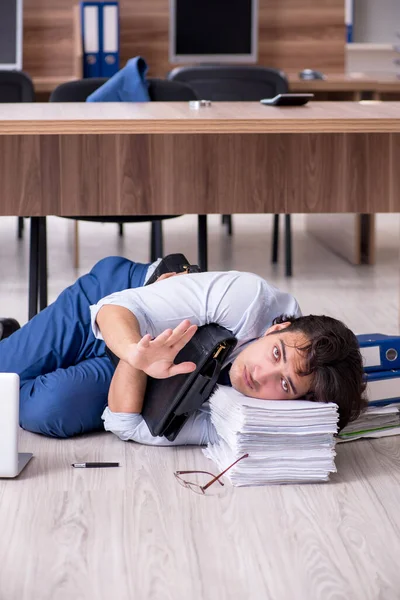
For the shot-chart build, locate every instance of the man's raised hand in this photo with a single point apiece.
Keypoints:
(156, 357)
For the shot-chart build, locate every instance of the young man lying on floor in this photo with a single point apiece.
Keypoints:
(67, 379)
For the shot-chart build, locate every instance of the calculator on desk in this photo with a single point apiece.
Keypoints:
(288, 100)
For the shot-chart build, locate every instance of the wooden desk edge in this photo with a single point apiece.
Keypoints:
(193, 127)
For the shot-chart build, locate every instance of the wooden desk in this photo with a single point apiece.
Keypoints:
(121, 159)
(154, 158)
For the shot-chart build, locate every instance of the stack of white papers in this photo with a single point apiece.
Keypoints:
(376, 421)
(287, 441)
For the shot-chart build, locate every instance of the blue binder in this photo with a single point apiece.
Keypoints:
(348, 19)
(109, 38)
(90, 29)
(383, 387)
(379, 351)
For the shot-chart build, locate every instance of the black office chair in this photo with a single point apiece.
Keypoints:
(78, 91)
(242, 84)
(16, 86)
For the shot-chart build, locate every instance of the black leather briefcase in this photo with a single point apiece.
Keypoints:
(169, 402)
(173, 263)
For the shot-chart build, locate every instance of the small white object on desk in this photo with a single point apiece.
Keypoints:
(196, 104)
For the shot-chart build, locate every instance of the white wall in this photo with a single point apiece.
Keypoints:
(376, 21)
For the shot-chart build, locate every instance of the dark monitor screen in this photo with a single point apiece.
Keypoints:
(214, 27)
(10, 23)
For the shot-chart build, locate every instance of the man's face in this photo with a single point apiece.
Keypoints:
(267, 369)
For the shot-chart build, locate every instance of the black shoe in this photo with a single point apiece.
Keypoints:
(7, 327)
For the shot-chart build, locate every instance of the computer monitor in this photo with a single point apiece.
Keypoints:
(11, 34)
(210, 31)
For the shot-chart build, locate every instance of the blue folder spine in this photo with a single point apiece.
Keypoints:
(393, 393)
(90, 31)
(384, 402)
(348, 19)
(109, 32)
(380, 352)
(383, 375)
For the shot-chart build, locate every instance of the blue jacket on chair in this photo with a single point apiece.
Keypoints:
(128, 85)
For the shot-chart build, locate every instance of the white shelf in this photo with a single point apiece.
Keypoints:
(368, 58)
(354, 46)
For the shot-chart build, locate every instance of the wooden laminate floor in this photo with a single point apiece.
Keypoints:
(133, 532)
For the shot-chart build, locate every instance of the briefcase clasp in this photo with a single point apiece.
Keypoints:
(220, 348)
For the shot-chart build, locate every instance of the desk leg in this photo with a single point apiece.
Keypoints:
(33, 267)
(367, 238)
(156, 245)
(42, 250)
(202, 256)
(275, 240)
(288, 246)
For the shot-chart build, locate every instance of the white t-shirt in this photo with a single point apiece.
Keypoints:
(244, 303)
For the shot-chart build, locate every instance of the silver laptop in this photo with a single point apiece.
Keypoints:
(11, 462)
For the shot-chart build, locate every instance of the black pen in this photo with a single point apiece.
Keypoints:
(94, 465)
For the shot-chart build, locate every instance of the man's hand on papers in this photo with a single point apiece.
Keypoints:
(156, 357)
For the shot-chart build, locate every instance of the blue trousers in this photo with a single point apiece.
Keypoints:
(64, 371)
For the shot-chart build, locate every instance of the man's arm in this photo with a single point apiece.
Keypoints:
(139, 356)
(127, 389)
(121, 326)
(120, 330)
(198, 429)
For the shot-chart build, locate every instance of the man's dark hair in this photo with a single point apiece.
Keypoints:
(334, 360)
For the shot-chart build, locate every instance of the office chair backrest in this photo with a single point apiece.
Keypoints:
(232, 83)
(76, 91)
(16, 86)
(160, 90)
